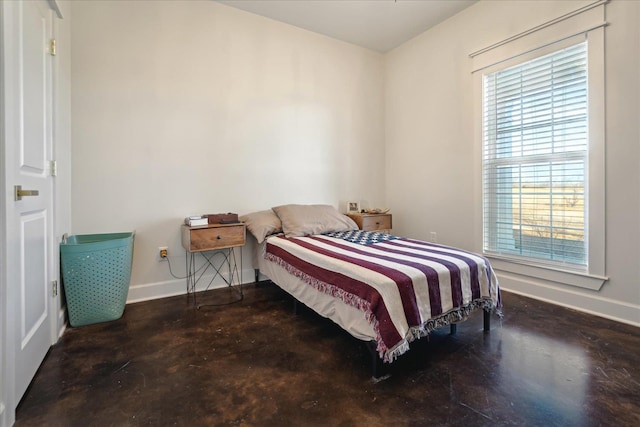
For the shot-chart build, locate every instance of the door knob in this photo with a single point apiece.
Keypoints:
(19, 193)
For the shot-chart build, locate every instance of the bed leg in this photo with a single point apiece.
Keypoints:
(487, 320)
(376, 362)
(257, 275)
(454, 328)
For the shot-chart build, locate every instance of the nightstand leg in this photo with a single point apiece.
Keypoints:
(233, 270)
(186, 269)
(191, 279)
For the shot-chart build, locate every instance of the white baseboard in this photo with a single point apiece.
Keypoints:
(170, 288)
(62, 320)
(596, 305)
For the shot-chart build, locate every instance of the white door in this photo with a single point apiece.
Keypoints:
(30, 317)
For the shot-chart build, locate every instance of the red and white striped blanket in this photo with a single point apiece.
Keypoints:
(406, 288)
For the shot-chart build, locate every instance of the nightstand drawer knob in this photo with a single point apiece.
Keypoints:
(219, 237)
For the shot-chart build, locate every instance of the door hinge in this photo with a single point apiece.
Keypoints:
(53, 168)
(52, 47)
(54, 285)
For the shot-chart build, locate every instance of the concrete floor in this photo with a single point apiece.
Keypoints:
(255, 363)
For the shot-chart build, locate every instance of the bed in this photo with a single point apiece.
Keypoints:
(382, 289)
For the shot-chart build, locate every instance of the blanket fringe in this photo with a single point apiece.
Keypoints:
(455, 315)
(388, 355)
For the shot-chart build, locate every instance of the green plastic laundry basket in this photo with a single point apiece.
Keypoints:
(96, 270)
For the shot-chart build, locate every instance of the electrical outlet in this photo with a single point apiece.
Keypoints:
(163, 252)
(434, 237)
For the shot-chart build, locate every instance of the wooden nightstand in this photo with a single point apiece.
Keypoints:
(373, 222)
(213, 236)
(216, 245)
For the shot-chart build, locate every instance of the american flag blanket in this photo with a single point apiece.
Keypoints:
(406, 288)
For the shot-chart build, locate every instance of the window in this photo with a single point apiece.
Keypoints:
(540, 144)
(535, 157)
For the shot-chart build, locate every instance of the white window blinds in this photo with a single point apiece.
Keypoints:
(535, 145)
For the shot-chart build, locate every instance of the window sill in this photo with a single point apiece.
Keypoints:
(566, 277)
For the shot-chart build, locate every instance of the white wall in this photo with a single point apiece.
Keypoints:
(193, 107)
(432, 166)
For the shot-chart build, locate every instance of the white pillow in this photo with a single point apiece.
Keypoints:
(304, 220)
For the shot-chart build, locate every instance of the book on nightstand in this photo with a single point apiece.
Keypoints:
(196, 220)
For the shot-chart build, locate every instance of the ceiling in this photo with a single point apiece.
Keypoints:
(379, 25)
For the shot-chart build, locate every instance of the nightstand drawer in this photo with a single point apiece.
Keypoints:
(376, 222)
(372, 222)
(213, 237)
